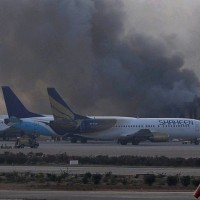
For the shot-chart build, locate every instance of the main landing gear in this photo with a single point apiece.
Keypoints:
(75, 140)
(124, 141)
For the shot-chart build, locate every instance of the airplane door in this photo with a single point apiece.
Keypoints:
(197, 128)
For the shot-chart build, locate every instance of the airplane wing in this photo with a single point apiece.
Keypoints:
(143, 135)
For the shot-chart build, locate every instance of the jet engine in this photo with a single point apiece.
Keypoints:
(63, 126)
(159, 137)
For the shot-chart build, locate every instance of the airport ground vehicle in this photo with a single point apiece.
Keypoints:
(22, 142)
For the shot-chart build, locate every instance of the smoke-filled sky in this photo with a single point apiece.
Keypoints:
(106, 57)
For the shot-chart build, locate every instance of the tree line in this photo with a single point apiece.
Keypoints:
(8, 158)
(90, 181)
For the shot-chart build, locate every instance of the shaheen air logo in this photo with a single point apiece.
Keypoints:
(175, 122)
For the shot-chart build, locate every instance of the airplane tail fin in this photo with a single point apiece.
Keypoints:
(59, 107)
(14, 106)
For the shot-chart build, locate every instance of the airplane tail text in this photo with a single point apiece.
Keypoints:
(14, 106)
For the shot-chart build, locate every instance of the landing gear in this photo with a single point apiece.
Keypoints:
(76, 139)
(192, 141)
(83, 140)
(196, 142)
(123, 142)
(73, 140)
(135, 141)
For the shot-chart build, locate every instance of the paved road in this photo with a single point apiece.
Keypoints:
(112, 149)
(95, 195)
(103, 170)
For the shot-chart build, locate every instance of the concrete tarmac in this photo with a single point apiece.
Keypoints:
(95, 195)
(111, 149)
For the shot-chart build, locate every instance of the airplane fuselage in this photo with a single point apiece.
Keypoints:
(123, 127)
(36, 125)
(127, 126)
(28, 126)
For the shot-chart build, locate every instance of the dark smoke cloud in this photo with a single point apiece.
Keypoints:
(80, 48)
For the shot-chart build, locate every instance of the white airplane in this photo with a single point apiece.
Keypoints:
(26, 122)
(123, 129)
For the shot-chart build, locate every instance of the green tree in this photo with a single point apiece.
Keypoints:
(149, 179)
(196, 181)
(185, 180)
(96, 178)
(87, 176)
(172, 180)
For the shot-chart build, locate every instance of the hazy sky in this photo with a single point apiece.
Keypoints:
(106, 57)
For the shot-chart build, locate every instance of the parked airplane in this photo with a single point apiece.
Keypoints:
(22, 119)
(123, 129)
(4, 127)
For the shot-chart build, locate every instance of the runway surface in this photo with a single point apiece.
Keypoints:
(112, 149)
(103, 170)
(95, 195)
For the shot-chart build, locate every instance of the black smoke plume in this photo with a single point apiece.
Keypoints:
(81, 48)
